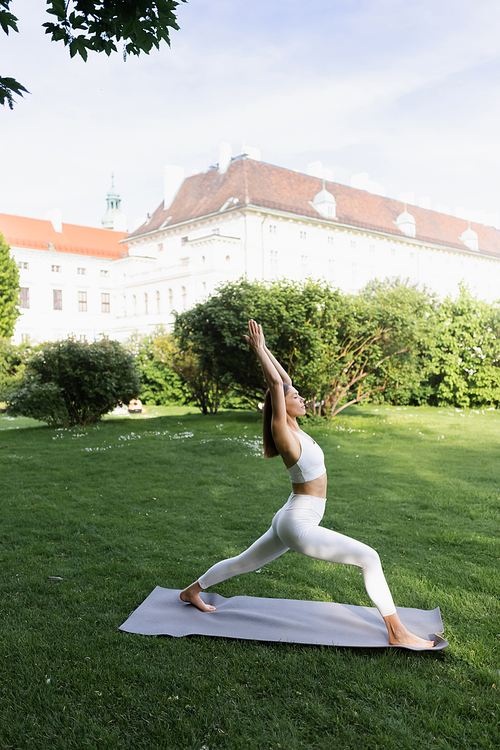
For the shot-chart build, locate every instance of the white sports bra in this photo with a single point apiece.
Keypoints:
(311, 463)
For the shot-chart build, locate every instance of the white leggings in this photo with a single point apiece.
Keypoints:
(295, 526)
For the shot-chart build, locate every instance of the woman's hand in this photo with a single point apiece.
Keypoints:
(255, 337)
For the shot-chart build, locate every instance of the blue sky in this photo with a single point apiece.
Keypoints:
(406, 91)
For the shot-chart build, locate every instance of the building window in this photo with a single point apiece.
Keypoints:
(184, 261)
(24, 297)
(330, 239)
(57, 299)
(184, 240)
(353, 244)
(82, 301)
(331, 269)
(303, 234)
(274, 262)
(104, 272)
(23, 264)
(272, 228)
(25, 337)
(160, 247)
(134, 304)
(82, 271)
(372, 248)
(228, 258)
(158, 310)
(171, 299)
(124, 306)
(105, 304)
(304, 264)
(145, 303)
(202, 258)
(393, 251)
(83, 337)
(56, 269)
(184, 298)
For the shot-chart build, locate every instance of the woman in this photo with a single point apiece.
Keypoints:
(295, 526)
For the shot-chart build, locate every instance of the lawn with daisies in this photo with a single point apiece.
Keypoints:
(92, 519)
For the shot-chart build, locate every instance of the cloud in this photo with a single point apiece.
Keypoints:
(404, 91)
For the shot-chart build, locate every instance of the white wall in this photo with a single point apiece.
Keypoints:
(40, 322)
(180, 266)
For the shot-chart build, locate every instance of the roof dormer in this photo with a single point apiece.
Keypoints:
(406, 223)
(324, 203)
(469, 238)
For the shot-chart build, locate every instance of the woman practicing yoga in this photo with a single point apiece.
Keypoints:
(296, 525)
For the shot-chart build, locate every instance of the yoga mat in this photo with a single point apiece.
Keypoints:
(280, 620)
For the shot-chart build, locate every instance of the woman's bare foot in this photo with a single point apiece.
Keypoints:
(191, 595)
(400, 636)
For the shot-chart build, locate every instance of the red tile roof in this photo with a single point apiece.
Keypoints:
(20, 231)
(263, 185)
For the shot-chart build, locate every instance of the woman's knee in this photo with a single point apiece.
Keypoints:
(370, 558)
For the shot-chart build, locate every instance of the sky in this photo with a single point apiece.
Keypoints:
(407, 91)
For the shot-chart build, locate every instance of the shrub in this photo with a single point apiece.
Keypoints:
(12, 359)
(70, 382)
(160, 383)
(463, 358)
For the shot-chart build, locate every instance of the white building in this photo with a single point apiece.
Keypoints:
(245, 218)
(66, 277)
(248, 218)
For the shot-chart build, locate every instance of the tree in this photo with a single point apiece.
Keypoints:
(161, 383)
(333, 345)
(9, 290)
(96, 26)
(12, 365)
(410, 314)
(71, 382)
(464, 354)
(291, 314)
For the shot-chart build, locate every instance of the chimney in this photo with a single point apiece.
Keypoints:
(251, 151)
(224, 157)
(55, 217)
(173, 177)
(315, 169)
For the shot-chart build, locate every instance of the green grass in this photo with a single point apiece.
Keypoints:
(131, 503)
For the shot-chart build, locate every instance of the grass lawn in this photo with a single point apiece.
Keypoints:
(115, 509)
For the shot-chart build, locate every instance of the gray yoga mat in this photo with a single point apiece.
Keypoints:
(285, 620)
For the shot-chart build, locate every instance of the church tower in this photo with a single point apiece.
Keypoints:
(114, 218)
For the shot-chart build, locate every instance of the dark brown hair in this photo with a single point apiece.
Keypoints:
(270, 449)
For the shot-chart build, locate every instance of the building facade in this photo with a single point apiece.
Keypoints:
(66, 278)
(246, 218)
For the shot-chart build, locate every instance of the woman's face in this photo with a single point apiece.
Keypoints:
(294, 403)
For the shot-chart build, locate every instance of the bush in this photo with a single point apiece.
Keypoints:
(463, 358)
(71, 382)
(160, 383)
(11, 367)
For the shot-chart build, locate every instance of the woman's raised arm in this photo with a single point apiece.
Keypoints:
(270, 364)
(282, 372)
